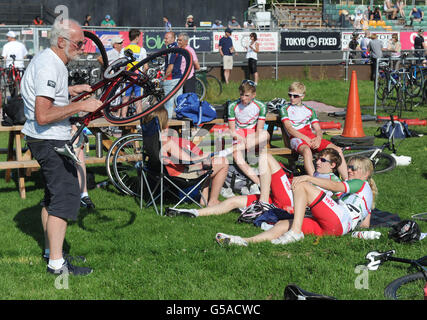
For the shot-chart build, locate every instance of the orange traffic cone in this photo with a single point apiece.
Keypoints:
(353, 128)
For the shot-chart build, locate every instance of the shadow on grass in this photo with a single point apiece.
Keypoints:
(105, 219)
(28, 221)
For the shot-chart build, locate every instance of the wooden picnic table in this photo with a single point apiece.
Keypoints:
(20, 158)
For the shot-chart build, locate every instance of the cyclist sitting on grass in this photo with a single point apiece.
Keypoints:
(246, 119)
(329, 217)
(271, 174)
(299, 120)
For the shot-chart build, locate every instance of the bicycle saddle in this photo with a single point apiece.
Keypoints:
(293, 292)
(67, 151)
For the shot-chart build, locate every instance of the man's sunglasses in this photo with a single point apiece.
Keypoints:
(249, 82)
(325, 160)
(294, 95)
(78, 44)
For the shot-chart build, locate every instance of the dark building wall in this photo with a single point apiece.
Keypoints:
(149, 13)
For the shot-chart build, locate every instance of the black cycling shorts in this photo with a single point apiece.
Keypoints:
(252, 64)
(62, 191)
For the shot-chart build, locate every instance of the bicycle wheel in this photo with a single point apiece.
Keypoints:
(127, 165)
(390, 101)
(94, 45)
(152, 95)
(214, 87)
(382, 89)
(200, 89)
(109, 160)
(420, 216)
(383, 162)
(414, 81)
(409, 287)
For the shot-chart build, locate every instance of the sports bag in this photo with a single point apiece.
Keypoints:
(189, 106)
(401, 130)
(14, 112)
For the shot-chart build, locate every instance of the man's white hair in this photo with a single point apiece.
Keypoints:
(61, 28)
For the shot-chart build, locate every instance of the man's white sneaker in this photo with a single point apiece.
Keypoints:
(288, 237)
(225, 240)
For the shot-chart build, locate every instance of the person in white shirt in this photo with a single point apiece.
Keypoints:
(252, 56)
(16, 48)
(47, 108)
(115, 52)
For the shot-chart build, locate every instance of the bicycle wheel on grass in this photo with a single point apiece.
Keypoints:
(152, 95)
(414, 81)
(214, 87)
(200, 89)
(409, 287)
(127, 165)
(390, 100)
(110, 156)
(382, 162)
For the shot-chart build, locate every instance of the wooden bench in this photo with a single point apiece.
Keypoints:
(19, 158)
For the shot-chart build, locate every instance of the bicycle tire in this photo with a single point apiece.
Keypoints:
(200, 89)
(109, 160)
(382, 85)
(214, 87)
(411, 285)
(98, 43)
(389, 103)
(382, 162)
(415, 81)
(420, 216)
(127, 169)
(149, 87)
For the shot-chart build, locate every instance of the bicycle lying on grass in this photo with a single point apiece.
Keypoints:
(116, 80)
(411, 286)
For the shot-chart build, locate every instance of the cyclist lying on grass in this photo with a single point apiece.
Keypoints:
(271, 174)
(329, 217)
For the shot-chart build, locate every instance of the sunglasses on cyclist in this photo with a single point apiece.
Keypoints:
(294, 95)
(78, 44)
(325, 160)
(352, 168)
(249, 82)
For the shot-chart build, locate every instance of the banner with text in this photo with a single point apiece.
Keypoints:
(268, 41)
(312, 41)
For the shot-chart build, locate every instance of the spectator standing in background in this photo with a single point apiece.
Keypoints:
(252, 56)
(190, 83)
(375, 48)
(189, 23)
(115, 52)
(108, 22)
(87, 21)
(168, 25)
(226, 50)
(16, 48)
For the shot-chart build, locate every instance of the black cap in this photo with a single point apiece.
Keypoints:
(228, 30)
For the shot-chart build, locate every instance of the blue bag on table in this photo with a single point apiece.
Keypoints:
(189, 106)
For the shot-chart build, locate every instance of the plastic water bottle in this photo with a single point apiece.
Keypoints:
(367, 235)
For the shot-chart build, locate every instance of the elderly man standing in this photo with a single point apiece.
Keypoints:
(45, 92)
(190, 83)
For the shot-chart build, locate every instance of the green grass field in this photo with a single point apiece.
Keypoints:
(139, 255)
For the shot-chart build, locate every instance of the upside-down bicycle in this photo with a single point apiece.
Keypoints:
(115, 81)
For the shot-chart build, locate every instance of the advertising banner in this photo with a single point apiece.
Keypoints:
(407, 39)
(199, 41)
(310, 41)
(268, 41)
